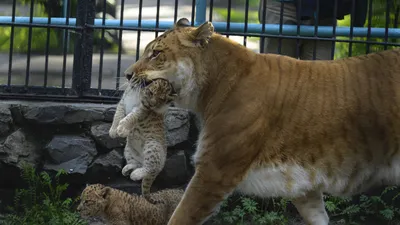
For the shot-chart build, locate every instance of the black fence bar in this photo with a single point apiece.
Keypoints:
(246, 21)
(65, 47)
(280, 27)
(82, 68)
(210, 17)
(176, 10)
(103, 22)
(228, 19)
(157, 17)
(193, 12)
(10, 59)
(28, 56)
(46, 62)
(139, 32)
(334, 23)
(121, 22)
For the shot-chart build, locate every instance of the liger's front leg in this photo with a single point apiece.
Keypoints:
(222, 160)
(210, 185)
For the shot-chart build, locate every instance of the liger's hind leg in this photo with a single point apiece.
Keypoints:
(312, 208)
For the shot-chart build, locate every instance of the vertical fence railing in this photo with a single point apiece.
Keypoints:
(82, 67)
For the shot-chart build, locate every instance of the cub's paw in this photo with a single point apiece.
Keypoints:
(113, 133)
(151, 200)
(128, 168)
(123, 128)
(138, 174)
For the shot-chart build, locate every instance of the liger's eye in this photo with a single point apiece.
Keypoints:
(155, 53)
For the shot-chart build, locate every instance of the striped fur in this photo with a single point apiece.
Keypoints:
(277, 126)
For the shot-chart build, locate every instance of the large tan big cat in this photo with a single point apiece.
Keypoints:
(277, 126)
(140, 118)
(121, 208)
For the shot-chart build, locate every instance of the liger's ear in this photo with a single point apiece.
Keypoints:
(202, 34)
(183, 22)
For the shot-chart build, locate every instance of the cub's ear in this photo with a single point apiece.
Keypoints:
(202, 34)
(105, 192)
(183, 22)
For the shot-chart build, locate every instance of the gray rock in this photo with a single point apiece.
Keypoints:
(71, 153)
(60, 114)
(177, 122)
(109, 114)
(19, 149)
(111, 162)
(174, 172)
(125, 184)
(96, 221)
(5, 120)
(99, 133)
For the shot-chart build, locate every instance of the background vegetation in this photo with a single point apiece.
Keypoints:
(42, 8)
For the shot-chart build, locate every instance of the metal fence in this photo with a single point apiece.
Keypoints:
(76, 50)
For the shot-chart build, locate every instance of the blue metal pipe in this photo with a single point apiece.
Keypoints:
(201, 11)
(37, 20)
(289, 30)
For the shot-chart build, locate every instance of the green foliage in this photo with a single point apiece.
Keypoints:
(42, 8)
(378, 19)
(21, 36)
(41, 203)
(238, 16)
(381, 208)
(244, 210)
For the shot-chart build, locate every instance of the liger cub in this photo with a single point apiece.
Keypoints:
(139, 117)
(121, 208)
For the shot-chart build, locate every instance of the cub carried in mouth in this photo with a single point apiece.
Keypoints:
(140, 118)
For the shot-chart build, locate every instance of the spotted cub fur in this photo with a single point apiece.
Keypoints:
(140, 117)
(121, 208)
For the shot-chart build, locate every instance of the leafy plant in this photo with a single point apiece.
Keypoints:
(245, 210)
(41, 203)
(377, 207)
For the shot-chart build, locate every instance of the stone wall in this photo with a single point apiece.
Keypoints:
(74, 137)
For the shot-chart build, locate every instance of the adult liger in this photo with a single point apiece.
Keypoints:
(277, 126)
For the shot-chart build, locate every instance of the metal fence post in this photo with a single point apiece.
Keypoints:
(201, 11)
(82, 70)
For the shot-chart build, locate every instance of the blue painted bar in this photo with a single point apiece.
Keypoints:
(37, 20)
(289, 30)
(201, 11)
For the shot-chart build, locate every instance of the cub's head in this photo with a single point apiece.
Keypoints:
(93, 200)
(173, 56)
(159, 93)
